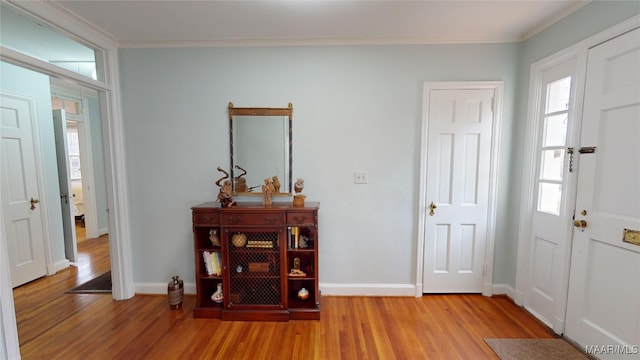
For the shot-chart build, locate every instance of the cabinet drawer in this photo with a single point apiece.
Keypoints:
(301, 218)
(252, 219)
(205, 219)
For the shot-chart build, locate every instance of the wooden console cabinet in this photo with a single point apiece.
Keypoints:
(266, 255)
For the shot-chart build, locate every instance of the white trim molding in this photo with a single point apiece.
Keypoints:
(111, 120)
(327, 289)
(333, 289)
(114, 151)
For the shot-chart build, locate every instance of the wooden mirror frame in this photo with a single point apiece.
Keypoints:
(259, 111)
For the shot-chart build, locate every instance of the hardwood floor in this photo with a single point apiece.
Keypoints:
(55, 325)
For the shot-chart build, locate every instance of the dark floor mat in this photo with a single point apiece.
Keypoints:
(100, 284)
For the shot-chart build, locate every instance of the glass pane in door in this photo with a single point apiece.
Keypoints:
(552, 164)
(555, 130)
(549, 198)
(558, 93)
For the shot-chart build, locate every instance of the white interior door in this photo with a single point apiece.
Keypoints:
(459, 143)
(549, 245)
(64, 181)
(604, 289)
(20, 193)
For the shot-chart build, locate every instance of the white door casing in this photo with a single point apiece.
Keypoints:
(458, 177)
(115, 164)
(64, 181)
(553, 132)
(22, 209)
(83, 123)
(604, 289)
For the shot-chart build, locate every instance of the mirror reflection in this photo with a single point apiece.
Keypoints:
(261, 149)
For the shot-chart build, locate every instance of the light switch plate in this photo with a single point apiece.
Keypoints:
(360, 177)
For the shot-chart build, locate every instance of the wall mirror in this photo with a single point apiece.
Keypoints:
(261, 148)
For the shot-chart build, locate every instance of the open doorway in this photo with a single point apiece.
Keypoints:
(81, 169)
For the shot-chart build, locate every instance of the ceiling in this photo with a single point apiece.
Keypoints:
(163, 23)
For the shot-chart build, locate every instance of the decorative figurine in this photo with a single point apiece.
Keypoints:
(295, 271)
(303, 242)
(276, 184)
(267, 191)
(218, 296)
(299, 185)
(214, 238)
(175, 291)
(241, 183)
(303, 294)
(298, 198)
(225, 196)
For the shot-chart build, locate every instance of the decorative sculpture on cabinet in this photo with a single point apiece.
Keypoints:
(267, 191)
(298, 198)
(225, 195)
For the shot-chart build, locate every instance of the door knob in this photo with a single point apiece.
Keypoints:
(580, 224)
(33, 203)
(432, 207)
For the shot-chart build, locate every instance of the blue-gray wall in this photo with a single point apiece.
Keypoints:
(355, 108)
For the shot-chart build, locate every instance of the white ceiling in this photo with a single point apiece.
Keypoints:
(313, 22)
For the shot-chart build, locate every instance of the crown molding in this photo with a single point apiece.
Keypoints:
(557, 17)
(313, 42)
(65, 22)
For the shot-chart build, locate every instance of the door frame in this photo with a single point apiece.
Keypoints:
(113, 142)
(498, 88)
(83, 125)
(527, 201)
(533, 137)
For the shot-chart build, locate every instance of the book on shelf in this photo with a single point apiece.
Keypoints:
(217, 264)
(212, 262)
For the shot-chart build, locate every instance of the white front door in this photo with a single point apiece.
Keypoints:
(20, 193)
(548, 244)
(64, 181)
(604, 289)
(458, 152)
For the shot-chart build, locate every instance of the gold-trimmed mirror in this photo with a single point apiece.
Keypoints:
(261, 149)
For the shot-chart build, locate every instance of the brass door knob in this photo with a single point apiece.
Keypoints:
(33, 203)
(580, 224)
(432, 208)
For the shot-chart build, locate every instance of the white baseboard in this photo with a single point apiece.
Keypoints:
(161, 288)
(60, 265)
(331, 289)
(326, 289)
(368, 289)
(504, 289)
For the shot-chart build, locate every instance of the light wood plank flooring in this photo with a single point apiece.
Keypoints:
(55, 325)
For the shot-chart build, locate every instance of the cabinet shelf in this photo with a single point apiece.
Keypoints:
(300, 278)
(210, 277)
